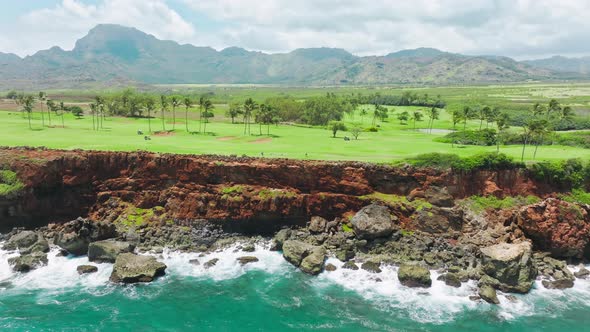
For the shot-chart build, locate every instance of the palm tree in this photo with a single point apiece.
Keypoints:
(27, 103)
(42, 97)
(92, 111)
(501, 120)
(538, 129)
(62, 108)
(188, 103)
(249, 107)
(150, 106)
(164, 106)
(99, 101)
(433, 114)
(234, 111)
(207, 106)
(202, 102)
(362, 113)
(416, 116)
(483, 114)
(466, 114)
(175, 101)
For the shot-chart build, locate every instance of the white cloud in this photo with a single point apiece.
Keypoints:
(505, 27)
(71, 19)
(519, 28)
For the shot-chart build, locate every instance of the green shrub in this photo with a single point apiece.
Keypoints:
(482, 203)
(577, 196)
(484, 161)
(10, 185)
(470, 137)
(563, 174)
(434, 159)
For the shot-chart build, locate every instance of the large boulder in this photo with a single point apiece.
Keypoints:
(132, 268)
(488, 294)
(438, 220)
(26, 263)
(309, 258)
(414, 276)
(280, 237)
(373, 221)
(86, 269)
(317, 224)
(557, 226)
(509, 267)
(76, 235)
(106, 251)
(27, 242)
(439, 196)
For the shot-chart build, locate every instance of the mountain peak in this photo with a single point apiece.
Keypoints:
(322, 53)
(421, 52)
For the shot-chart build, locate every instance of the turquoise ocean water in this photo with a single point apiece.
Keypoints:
(269, 295)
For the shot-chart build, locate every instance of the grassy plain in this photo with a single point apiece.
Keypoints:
(392, 142)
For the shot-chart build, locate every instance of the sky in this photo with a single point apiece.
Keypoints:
(522, 29)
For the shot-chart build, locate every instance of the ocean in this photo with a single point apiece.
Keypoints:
(268, 295)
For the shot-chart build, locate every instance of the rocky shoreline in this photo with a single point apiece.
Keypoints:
(366, 216)
(369, 240)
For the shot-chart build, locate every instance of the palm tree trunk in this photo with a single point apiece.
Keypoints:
(200, 119)
(173, 118)
(49, 115)
(30, 127)
(149, 122)
(93, 125)
(186, 119)
(42, 116)
(523, 147)
(163, 120)
(205, 126)
(63, 125)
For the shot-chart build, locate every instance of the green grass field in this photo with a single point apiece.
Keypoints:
(394, 141)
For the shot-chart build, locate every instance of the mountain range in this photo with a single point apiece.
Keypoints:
(112, 54)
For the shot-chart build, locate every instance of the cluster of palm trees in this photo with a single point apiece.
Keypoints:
(263, 114)
(541, 123)
(27, 102)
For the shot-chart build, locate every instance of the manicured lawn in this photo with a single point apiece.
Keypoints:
(393, 141)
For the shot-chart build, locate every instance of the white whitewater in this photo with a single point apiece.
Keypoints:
(437, 304)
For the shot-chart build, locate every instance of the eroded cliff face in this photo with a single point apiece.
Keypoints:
(248, 192)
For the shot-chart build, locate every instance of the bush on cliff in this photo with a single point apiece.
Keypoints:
(10, 185)
(562, 174)
(485, 161)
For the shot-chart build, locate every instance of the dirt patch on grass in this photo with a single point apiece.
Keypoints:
(262, 140)
(226, 138)
(164, 133)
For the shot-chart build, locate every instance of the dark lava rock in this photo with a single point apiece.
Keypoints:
(76, 235)
(211, 263)
(107, 251)
(309, 258)
(85, 269)
(350, 265)
(414, 276)
(450, 279)
(373, 221)
(247, 259)
(26, 263)
(488, 294)
(371, 267)
(330, 267)
(558, 284)
(132, 268)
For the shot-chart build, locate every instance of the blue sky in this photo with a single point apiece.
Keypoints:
(516, 28)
